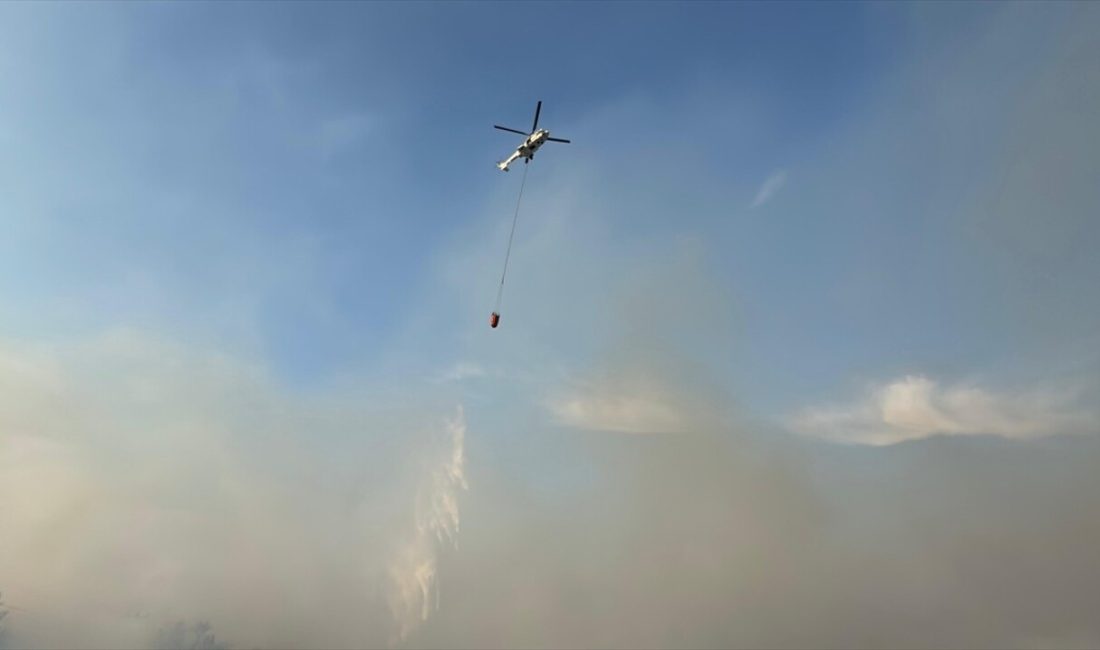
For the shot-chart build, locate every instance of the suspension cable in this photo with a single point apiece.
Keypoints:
(508, 254)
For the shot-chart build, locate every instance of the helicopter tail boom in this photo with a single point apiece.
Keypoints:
(503, 165)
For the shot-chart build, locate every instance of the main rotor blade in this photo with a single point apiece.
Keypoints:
(504, 128)
(558, 140)
(538, 109)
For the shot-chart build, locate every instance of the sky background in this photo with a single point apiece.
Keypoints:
(799, 345)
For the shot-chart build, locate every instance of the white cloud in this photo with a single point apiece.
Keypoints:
(915, 407)
(769, 188)
(638, 398)
(627, 412)
(460, 371)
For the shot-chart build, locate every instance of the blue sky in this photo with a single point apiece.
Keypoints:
(865, 223)
(365, 144)
(289, 175)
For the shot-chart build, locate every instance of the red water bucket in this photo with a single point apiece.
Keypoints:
(494, 319)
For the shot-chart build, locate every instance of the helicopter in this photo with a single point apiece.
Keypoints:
(533, 140)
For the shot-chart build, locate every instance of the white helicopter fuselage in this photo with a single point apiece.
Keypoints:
(526, 149)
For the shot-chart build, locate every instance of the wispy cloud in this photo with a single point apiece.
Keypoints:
(338, 134)
(602, 408)
(915, 407)
(460, 371)
(772, 185)
(661, 394)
